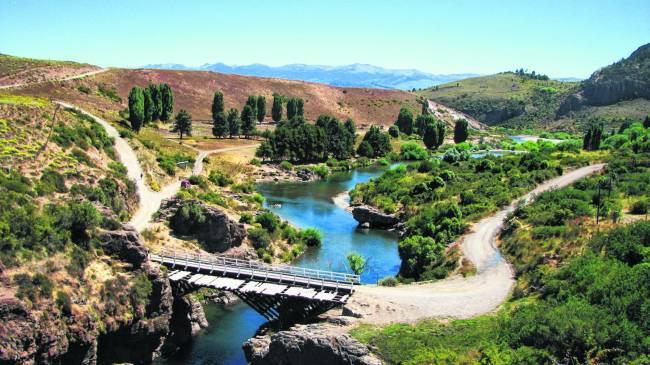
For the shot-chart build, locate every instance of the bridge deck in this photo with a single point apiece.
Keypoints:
(254, 277)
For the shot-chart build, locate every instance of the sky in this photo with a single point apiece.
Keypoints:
(558, 38)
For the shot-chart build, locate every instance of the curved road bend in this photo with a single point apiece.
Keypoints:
(149, 200)
(456, 296)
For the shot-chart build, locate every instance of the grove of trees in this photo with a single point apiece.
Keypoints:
(155, 102)
(374, 144)
(591, 140)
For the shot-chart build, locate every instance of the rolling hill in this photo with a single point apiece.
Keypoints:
(19, 70)
(613, 94)
(107, 93)
(355, 75)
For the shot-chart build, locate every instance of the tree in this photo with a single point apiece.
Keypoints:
(217, 104)
(156, 98)
(136, 108)
(261, 108)
(276, 111)
(421, 123)
(591, 140)
(460, 131)
(234, 124)
(405, 121)
(393, 131)
(425, 106)
(264, 151)
(252, 102)
(351, 128)
(430, 136)
(247, 121)
(167, 102)
(219, 125)
(148, 106)
(434, 135)
(183, 123)
(646, 122)
(300, 104)
(357, 263)
(292, 108)
(365, 150)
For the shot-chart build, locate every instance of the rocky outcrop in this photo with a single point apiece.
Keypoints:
(313, 344)
(187, 320)
(124, 243)
(373, 217)
(211, 226)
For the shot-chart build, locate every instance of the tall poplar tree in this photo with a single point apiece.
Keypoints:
(217, 104)
(261, 108)
(167, 102)
(148, 106)
(461, 131)
(292, 108)
(234, 124)
(156, 97)
(136, 108)
(276, 110)
(247, 121)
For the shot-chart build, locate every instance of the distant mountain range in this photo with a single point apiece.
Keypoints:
(355, 75)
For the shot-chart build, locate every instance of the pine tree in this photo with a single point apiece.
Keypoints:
(136, 108)
(261, 108)
(217, 104)
(425, 106)
(646, 122)
(183, 123)
(264, 151)
(276, 111)
(441, 133)
(422, 121)
(234, 124)
(219, 125)
(460, 131)
(247, 121)
(167, 102)
(148, 106)
(405, 121)
(586, 141)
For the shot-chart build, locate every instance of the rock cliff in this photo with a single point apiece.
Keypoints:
(212, 227)
(373, 217)
(315, 344)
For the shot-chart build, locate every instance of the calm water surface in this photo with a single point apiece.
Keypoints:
(303, 205)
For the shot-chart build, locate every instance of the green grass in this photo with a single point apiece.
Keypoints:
(430, 341)
(23, 100)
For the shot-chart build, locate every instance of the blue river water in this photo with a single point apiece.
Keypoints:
(303, 205)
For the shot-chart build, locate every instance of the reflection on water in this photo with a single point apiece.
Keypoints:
(303, 205)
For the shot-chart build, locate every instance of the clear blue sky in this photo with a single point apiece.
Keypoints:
(559, 38)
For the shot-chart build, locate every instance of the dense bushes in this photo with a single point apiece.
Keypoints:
(168, 162)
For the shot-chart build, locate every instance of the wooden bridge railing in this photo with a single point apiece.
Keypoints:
(189, 257)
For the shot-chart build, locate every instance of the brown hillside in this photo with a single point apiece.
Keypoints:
(193, 90)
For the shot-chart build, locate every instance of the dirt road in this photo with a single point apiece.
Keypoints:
(456, 296)
(73, 77)
(149, 200)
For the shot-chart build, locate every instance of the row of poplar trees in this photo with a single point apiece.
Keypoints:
(428, 127)
(154, 102)
(233, 123)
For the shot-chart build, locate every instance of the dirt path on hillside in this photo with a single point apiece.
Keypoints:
(73, 77)
(455, 114)
(457, 297)
(149, 200)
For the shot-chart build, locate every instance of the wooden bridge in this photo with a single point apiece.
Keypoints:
(278, 292)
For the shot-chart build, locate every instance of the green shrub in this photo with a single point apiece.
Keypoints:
(388, 281)
(219, 178)
(51, 181)
(256, 162)
(259, 237)
(286, 165)
(639, 207)
(83, 89)
(311, 237)
(64, 303)
(413, 151)
(213, 198)
(321, 170)
(268, 221)
(246, 218)
(198, 181)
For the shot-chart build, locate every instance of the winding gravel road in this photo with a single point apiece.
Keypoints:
(149, 200)
(457, 297)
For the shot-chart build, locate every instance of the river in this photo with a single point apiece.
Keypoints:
(317, 204)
